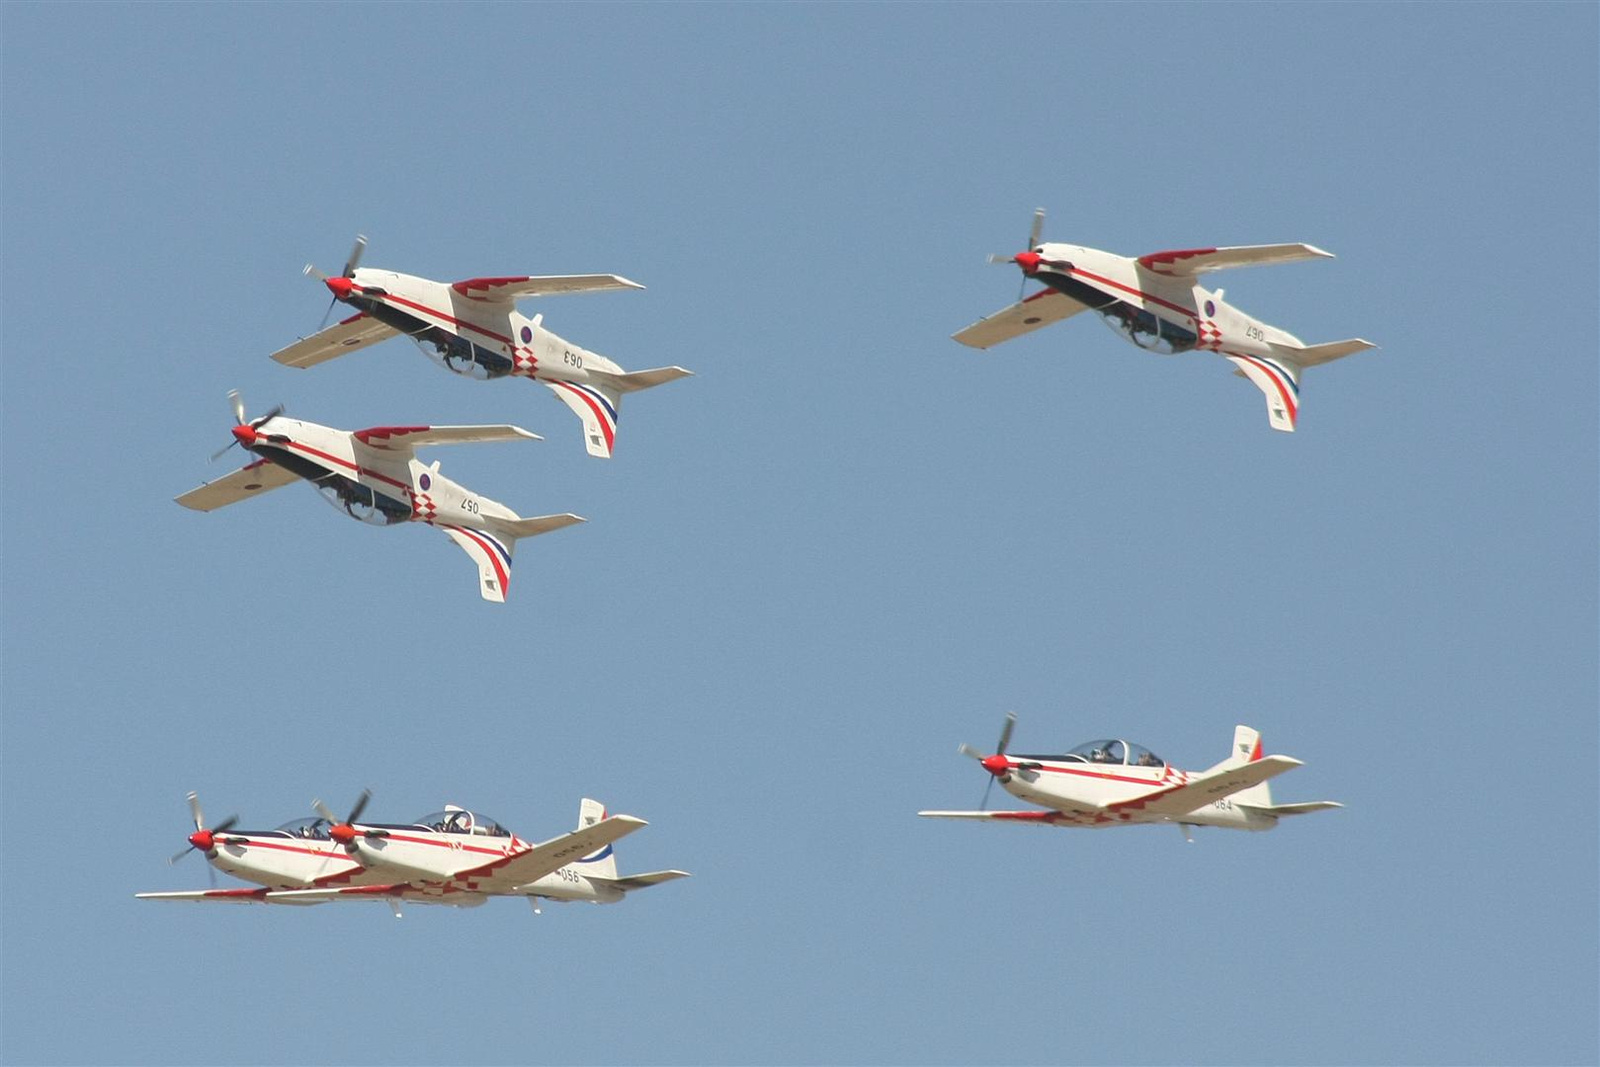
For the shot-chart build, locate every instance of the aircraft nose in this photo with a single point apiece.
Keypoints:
(245, 434)
(995, 764)
(1028, 261)
(340, 287)
(202, 840)
(344, 833)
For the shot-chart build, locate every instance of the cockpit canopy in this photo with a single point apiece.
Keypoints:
(461, 821)
(311, 827)
(1111, 750)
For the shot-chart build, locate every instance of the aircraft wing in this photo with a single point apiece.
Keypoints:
(259, 895)
(1033, 818)
(510, 290)
(1040, 309)
(504, 875)
(1193, 262)
(249, 481)
(1197, 792)
(407, 438)
(358, 331)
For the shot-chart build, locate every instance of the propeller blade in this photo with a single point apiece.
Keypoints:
(361, 801)
(322, 809)
(225, 825)
(211, 875)
(983, 805)
(355, 256)
(311, 271)
(995, 257)
(1005, 733)
(967, 750)
(272, 413)
(326, 315)
(176, 856)
(238, 406)
(1038, 228)
(218, 453)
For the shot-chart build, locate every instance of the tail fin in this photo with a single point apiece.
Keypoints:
(602, 864)
(491, 550)
(1278, 375)
(597, 406)
(1247, 749)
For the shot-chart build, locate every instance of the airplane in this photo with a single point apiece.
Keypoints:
(373, 475)
(473, 328)
(1154, 302)
(1117, 783)
(297, 855)
(461, 858)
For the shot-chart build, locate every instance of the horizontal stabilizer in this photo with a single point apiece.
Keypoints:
(509, 290)
(1316, 355)
(1193, 262)
(1279, 810)
(253, 480)
(354, 333)
(540, 525)
(642, 881)
(633, 381)
(1040, 309)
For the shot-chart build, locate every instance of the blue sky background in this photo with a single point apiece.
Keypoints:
(842, 548)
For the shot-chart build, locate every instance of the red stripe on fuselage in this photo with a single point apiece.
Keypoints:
(1140, 293)
(426, 310)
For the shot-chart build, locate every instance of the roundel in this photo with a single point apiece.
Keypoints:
(1211, 310)
(425, 482)
(527, 335)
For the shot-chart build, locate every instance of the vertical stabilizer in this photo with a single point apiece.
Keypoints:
(1247, 749)
(602, 864)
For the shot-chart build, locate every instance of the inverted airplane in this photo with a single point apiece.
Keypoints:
(455, 857)
(1155, 302)
(373, 475)
(1117, 783)
(473, 328)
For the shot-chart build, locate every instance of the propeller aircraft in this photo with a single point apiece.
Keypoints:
(473, 328)
(297, 855)
(453, 857)
(1155, 302)
(373, 475)
(1116, 783)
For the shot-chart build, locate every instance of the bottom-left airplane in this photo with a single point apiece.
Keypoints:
(452, 857)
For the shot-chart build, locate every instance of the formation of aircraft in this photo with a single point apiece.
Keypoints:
(473, 328)
(453, 857)
(1116, 783)
(461, 858)
(374, 475)
(1156, 303)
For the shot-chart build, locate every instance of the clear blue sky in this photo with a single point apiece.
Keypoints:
(842, 548)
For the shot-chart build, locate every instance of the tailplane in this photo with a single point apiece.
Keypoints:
(1278, 375)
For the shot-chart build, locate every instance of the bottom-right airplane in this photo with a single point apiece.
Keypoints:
(1114, 783)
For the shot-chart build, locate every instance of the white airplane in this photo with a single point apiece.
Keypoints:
(461, 858)
(297, 855)
(1155, 302)
(1114, 783)
(453, 857)
(473, 328)
(373, 475)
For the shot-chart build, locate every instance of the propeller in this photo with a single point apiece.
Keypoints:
(244, 432)
(202, 839)
(1028, 259)
(333, 285)
(996, 764)
(344, 831)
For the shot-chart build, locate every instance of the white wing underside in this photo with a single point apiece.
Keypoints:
(351, 335)
(1038, 310)
(1193, 262)
(406, 439)
(510, 290)
(253, 480)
